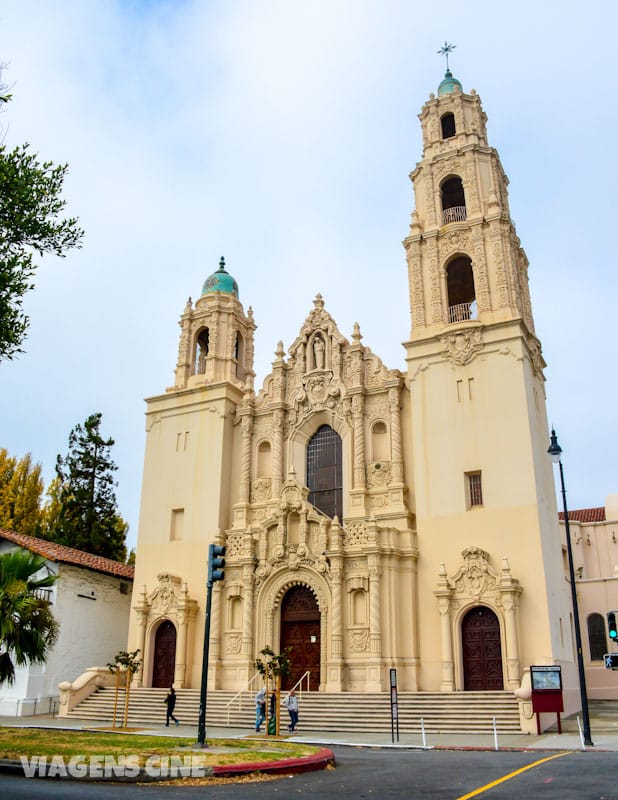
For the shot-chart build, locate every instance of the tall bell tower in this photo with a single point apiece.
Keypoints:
(482, 478)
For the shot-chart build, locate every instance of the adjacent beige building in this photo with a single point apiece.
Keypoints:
(373, 518)
(594, 542)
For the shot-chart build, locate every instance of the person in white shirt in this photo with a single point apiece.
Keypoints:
(291, 703)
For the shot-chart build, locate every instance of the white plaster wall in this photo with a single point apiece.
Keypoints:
(91, 632)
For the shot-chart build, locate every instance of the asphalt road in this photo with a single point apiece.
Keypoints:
(378, 774)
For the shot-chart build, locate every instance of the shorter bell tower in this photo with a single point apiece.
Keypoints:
(216, 341)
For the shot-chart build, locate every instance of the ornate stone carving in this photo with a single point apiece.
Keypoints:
(476, 577)
(359, 640)
(167, 593)
(233, 644)
(462, 346)
(355, 535)
(260, 490)
(379, 474)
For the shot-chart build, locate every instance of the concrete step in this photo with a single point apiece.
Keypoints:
(462, 712)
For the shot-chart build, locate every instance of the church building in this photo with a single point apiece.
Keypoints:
(372, 518)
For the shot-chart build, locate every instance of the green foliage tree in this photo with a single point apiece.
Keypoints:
(82, 512)
(27, 626)
(21, 490)
(30, 222)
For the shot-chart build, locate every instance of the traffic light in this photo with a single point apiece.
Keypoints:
(216, 562)
(611, 625)
(611, 660)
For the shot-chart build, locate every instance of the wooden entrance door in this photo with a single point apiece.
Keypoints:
(300, 631)
(482, 651)
(164, 655)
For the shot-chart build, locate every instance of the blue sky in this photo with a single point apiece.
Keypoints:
(281, 135)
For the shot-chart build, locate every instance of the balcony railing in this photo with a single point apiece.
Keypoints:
(462, 312)
(454, 214)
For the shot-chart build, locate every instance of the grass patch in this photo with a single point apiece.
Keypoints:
(16, 742)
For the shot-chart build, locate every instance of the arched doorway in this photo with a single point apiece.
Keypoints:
(481, 650)
(300, 631)
(164, 660)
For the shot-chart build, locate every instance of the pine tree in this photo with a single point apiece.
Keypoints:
(21, 489)
(82, 512)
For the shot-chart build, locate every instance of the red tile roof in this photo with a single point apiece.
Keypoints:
(585, 515)
(69, 555)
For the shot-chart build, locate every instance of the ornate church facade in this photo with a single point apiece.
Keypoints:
(372, 518)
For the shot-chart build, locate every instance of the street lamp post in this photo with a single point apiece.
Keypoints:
(555, 451)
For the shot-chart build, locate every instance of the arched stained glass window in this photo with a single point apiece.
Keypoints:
(324, 472)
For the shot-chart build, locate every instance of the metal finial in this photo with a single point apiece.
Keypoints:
(445, 50)
(221, 263)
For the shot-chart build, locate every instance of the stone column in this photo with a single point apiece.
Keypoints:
(443, 594)
(375, 624)
(510, 590)
(142, 620)
(277, 464)
(396, 452)
(335, 678)
(247, 610)
(358, 405)
(181, 650)
(246, 426)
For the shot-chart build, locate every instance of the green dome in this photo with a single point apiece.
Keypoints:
(220, 281)
(448, 84)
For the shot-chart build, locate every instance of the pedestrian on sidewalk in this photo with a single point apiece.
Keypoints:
(170, 702)
(291, 703)
(260, 708)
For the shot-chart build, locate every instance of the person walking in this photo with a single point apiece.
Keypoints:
(260, 708)
(291, 703)
(170, 702)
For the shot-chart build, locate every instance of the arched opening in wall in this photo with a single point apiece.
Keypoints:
(447, 123)
(460, 290)
(481, 650)
(379, 442)
(239, 355)
(293, 527)
(264, 460)
(359, 607)
(324, 471)
(235, 613)
(300, 632)
(164, 659)
(596, 637)
(201, 351)
(453, 200)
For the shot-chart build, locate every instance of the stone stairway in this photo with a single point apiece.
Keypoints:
(453, 712)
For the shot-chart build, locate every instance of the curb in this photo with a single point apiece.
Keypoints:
(319, 760)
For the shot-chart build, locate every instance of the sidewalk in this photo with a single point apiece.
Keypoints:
(603, 725)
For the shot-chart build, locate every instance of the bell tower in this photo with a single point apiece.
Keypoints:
(189, 480)
(479, 434)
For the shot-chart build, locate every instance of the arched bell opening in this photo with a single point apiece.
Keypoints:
(460, 290)
(201, 351)
(453, 200)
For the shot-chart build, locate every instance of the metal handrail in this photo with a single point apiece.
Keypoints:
(238, 696)
(298, 685)
(462, 312)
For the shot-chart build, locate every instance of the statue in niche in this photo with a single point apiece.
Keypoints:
(318, 352)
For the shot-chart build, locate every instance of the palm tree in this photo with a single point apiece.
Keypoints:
(27, 626)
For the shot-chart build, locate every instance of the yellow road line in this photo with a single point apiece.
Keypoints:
(510, 775)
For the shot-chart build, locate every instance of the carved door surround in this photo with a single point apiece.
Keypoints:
(269, 612)
(477, 583)
(170, 601)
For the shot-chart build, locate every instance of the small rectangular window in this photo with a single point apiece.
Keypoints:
(176, 524)
(475, 492)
